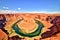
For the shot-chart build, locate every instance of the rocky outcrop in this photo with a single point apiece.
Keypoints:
(54, 29)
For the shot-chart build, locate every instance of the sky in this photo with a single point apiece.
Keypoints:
(30, 5)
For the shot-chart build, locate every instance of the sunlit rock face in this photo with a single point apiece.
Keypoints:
(50, 30)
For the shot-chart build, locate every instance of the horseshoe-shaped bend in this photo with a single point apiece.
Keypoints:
(33, 34)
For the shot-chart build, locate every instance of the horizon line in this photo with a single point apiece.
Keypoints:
(12, 11)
